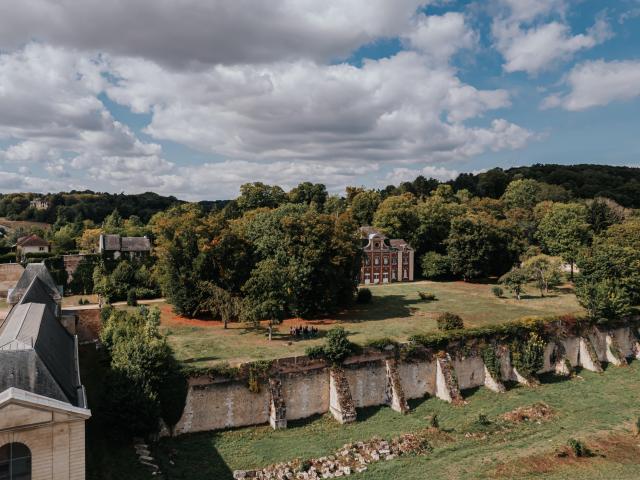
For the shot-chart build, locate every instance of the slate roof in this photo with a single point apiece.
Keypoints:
(32, 241)
(37, 354)
(399, 244)
(116, 243)
(368, 232)
(32, 271)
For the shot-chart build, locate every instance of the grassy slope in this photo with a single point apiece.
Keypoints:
(395, 312)
(586, 406)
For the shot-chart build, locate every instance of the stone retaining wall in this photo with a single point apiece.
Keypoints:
(305, 387)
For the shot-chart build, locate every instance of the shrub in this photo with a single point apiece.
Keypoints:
(497, 291)
(383, 344)
(528, 357)
(427, 296)
(483, 420)
(578, 448)
(132, 298)
(449, 321)
(337, 347)
(435, 265)
(434, 422)
(317, 351)
(364, 296)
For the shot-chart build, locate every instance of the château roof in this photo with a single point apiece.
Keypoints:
(116, 243)
(32, 271)
(37, 354)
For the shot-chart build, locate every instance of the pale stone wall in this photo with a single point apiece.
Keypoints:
(470, 372)
(368, 384)
(418, 378)
(306, 393)
(57, 448)
(307, 389)
(216, 406)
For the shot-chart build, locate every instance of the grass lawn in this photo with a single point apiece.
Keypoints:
(596, 408)
(396, 311)
(74, 300)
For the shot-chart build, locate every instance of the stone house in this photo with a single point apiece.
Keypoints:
(117, 246)
(385, 260)
(32, 244)
(39, 204)
(43, 407)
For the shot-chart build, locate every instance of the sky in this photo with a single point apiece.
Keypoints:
(193, 99)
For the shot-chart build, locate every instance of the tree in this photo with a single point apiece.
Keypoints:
(309, 194)
(397, 217)
(434, 223)
(337, 346)
(145, 382)
(522, 193)
(113, 223)
(603, 299)
(88, 243)
(258, 195)
(515, 280)
(493, 183)
(364, 206)
(221, 303)
(544, 271)
(564, 230)
(478, 245)
(603, 213)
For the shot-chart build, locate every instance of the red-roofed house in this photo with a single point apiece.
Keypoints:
(32, 244)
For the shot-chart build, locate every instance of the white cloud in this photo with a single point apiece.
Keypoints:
(388, 110)
(530, 44)
(598, 83)
(440, 37)
(189, 32)
(399, 175)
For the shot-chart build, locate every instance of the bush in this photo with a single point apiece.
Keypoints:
(132, 298)
(364, 296)
(449, 321)
(435, 265)
(383, 344)
(578, 448)
(497, 291)
(427, 296)
(434, 422)
(528, 357)
(336, 348)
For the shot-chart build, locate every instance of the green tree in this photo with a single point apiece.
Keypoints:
(544, 271)
(309, 194)
(564, 230)
(434, 222)
(478, 245)
(522, 193)
(258, 195)
(515, 280)
(603, 299)
(397, 217)
(364, 205)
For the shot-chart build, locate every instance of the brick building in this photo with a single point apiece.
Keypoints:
(385, 260)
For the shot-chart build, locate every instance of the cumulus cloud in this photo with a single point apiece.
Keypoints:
(439, 37)
(531, 46)
(190, 32)
(308, 111)
(598, 83)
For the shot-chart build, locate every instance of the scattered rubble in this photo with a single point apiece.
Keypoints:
(351, 458)
(538, 412)
(145, 458)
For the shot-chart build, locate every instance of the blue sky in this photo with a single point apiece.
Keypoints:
(196, 100)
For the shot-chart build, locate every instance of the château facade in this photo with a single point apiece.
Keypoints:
(385, 260)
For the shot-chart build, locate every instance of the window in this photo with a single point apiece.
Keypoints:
(15, 462)
(376, 261)
(386, 260)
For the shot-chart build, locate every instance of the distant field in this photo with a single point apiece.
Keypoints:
(598, 409)
(15, 224)
(396, 311)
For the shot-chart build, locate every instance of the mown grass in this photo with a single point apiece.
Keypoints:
(585, 406)
(396, 311)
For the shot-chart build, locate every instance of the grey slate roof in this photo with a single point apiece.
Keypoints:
(32, 271)
(116, 243)
(37, 354)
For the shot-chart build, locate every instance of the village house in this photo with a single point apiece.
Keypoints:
(39, 204)
(385, 260)
(31, 244)
(43, 407)
(117, 246)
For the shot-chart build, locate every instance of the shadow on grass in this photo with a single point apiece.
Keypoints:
(416, 402)
(469, 392)
(192, 458)
(303, 422)
(365, 413)
(550, 378)
(380, 308)
(199, 359)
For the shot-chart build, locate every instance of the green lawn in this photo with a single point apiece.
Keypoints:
(587, 407)
(396, 311)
